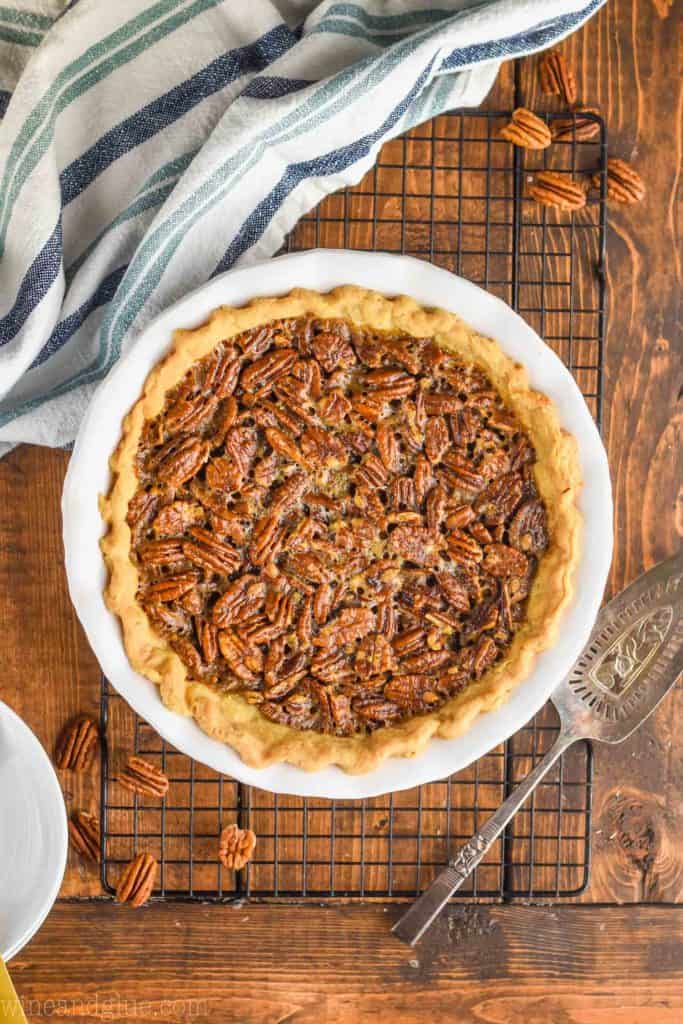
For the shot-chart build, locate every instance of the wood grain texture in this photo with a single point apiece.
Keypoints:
(628, 64)
(486, 965)
(264, 965)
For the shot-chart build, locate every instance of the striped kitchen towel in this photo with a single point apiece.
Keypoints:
(147, 146)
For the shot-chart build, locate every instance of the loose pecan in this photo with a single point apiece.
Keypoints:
(236, 847)
(208, 641)
(527, 130)
(580, 126)
(141, 508)
(76, 744)
(550, 188)
(84, 833)
(241, 444)
(255, 342)
(461, 472)
(624, 184)
(556, 77)
(137, 881)
(142, 777)
(331, 665)
(485, 654)
(455, 591)
(372, 471)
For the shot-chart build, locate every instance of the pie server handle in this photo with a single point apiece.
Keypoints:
(424, 911)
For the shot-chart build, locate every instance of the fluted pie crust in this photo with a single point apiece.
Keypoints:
(228, 716)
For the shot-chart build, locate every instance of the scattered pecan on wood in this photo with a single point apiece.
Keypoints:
(84, 834)
(577, 127)
(137, 881)
(624, 184)
(556, 77)
(76, 744)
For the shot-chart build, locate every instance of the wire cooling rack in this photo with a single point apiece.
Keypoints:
(455, 194)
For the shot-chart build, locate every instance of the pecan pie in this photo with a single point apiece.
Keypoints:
(340, 524)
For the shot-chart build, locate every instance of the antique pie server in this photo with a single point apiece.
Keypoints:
(632, 659)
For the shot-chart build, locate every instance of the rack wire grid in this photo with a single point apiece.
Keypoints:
(452, 192)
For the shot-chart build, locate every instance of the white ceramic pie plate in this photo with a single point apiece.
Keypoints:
(322, 270)
(33, 834)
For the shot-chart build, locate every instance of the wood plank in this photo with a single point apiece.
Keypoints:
(626, 60)
(49, 671)
(261, 965)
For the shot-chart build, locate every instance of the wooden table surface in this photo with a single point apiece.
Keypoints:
(615, 956)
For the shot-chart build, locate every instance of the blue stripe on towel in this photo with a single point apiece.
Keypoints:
(160, 113)
(68, 327)
(37, 282)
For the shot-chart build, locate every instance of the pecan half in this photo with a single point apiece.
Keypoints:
(580, 126)
(236, 847)
(551, 188)
(556, 77)
(184, 463)
(205, 550)
(418, 545)
(137, 881)
(624, 184)
(139, 776)
(527, 130)
(502, 561)
(263, 372)
(76, 744)
(84, 833)
(528, 530)
(170, 588)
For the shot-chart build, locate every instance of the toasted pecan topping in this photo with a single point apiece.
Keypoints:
(339, 524)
